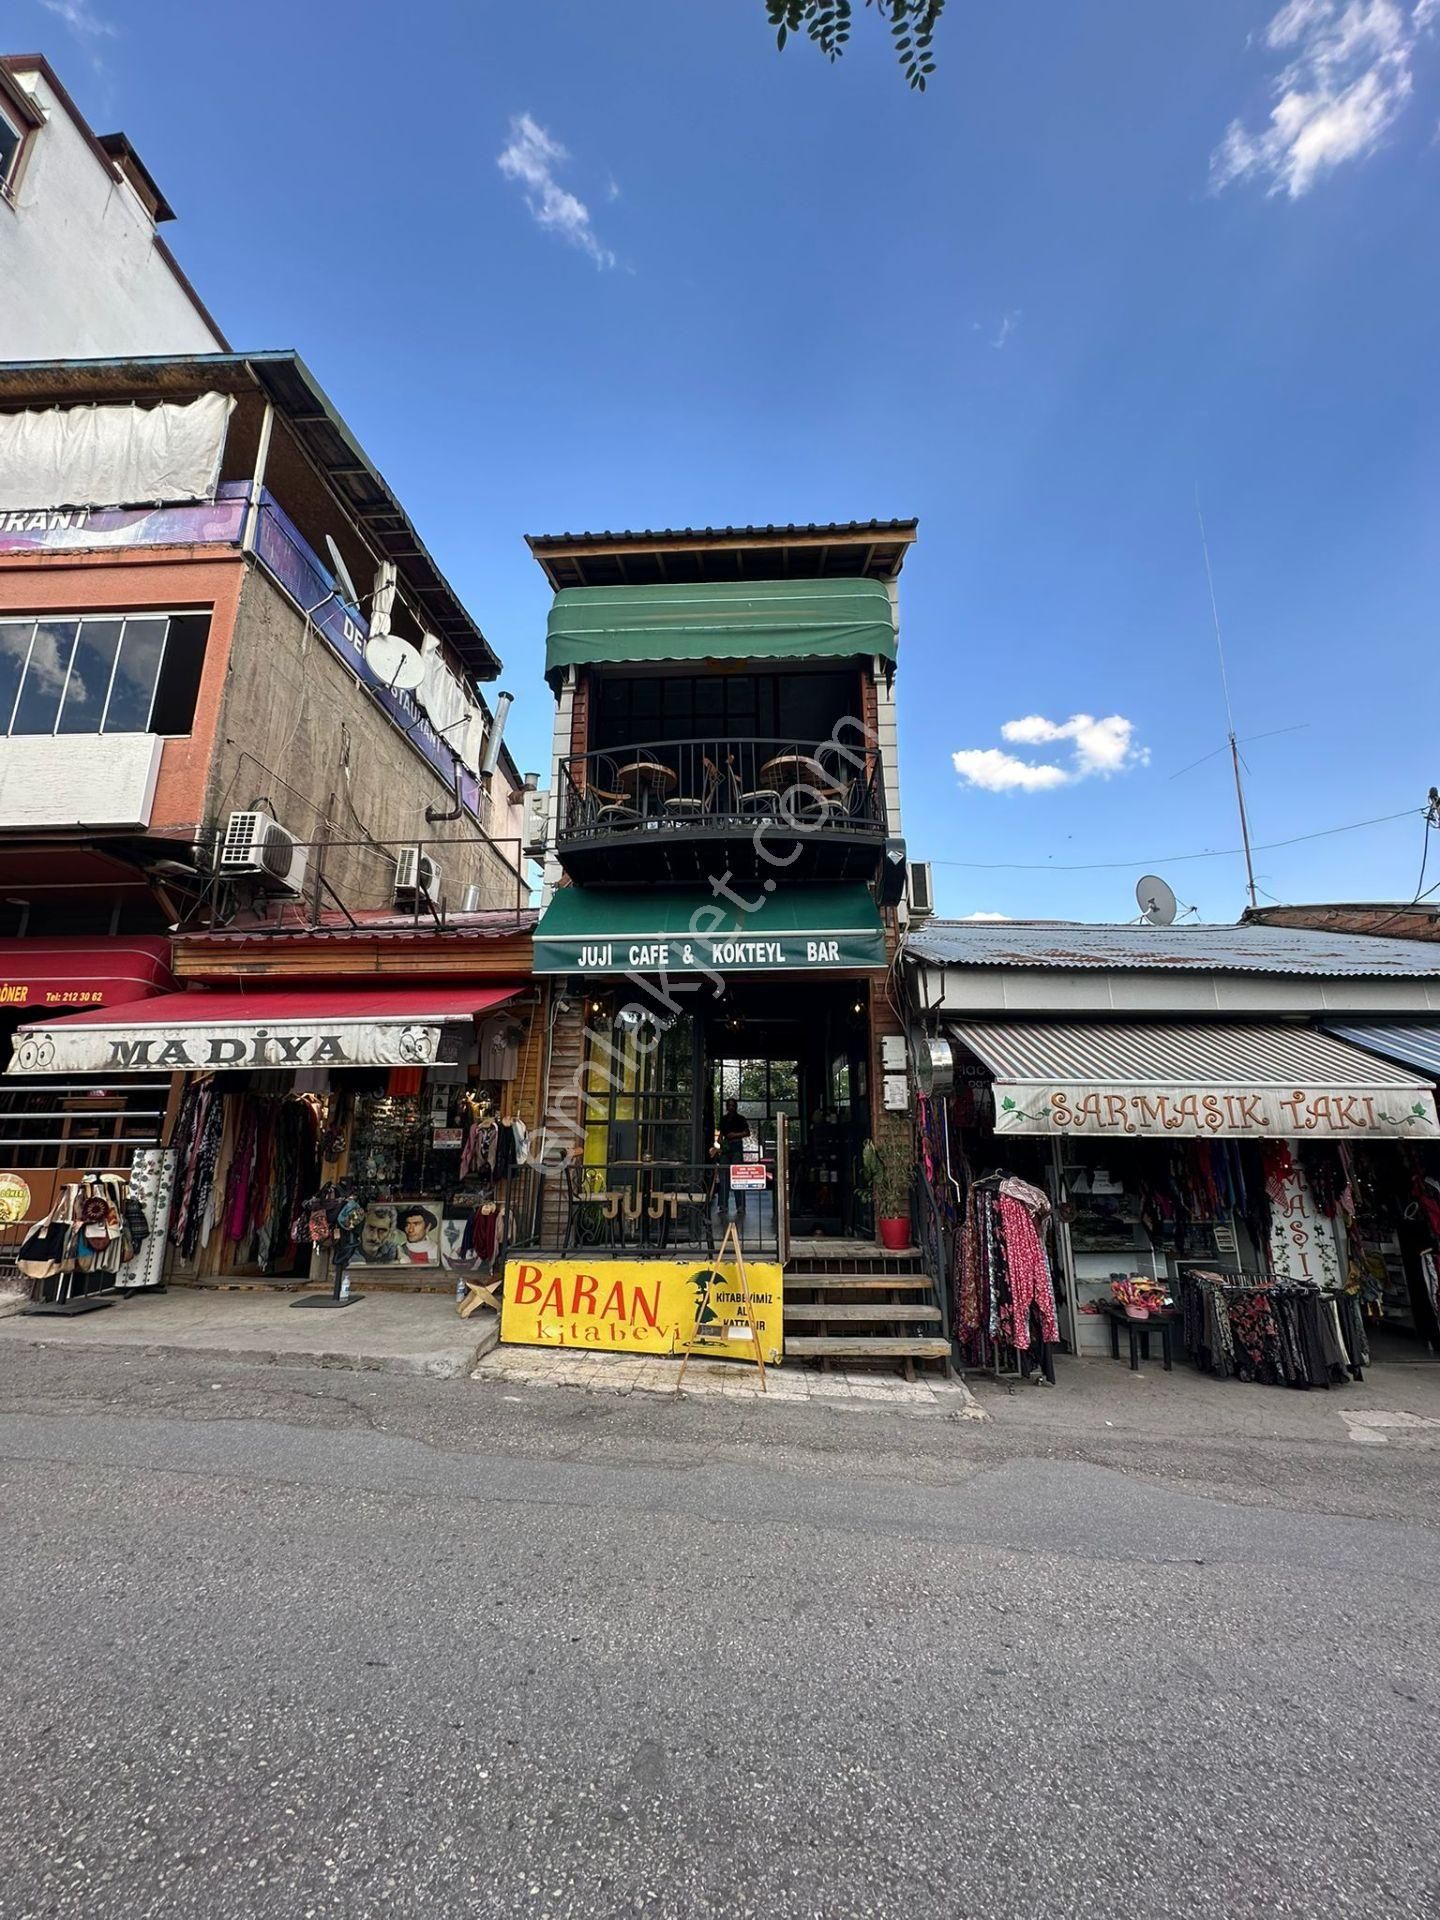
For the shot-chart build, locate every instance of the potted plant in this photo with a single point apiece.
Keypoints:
(886, 1179)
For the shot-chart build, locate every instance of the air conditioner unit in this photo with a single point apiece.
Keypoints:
(920, 889)
(535, 824)
(256, 845)
(417, 876)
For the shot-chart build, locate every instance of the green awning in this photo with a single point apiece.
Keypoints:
(796, 929)
(725, 620)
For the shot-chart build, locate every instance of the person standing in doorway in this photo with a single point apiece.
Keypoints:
(734, 1132)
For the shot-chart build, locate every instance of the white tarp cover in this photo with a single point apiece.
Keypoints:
(112, 456)
(458, 720)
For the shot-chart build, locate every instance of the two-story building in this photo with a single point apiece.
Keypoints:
(236, 695)
(725, 881)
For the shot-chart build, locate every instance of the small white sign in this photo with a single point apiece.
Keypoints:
(897, 1093)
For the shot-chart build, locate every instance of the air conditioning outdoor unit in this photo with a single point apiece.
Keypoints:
(417, 877)
(921, 890)
(256, 845)
(535, 823)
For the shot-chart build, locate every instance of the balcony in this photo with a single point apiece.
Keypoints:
(677, 810)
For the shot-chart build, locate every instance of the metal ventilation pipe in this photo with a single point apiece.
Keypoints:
(490, 759)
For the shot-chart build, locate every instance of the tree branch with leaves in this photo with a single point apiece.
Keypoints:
(827, 23)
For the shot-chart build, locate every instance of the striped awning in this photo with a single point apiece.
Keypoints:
(1412, 1044)
(1168, 1081)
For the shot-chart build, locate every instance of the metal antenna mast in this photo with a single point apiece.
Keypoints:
(1229, 711)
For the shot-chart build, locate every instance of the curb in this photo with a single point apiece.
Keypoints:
(438, 1366)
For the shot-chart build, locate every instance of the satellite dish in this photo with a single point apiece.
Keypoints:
(342, 573)
(394, 661)
(1156, 900)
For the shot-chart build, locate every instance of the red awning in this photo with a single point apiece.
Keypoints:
(62, 974)
(263, 1006)
(257, 1027)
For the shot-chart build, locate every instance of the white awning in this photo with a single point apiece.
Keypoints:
(1178, 1082)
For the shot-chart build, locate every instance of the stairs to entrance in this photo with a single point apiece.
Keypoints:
(850, 1301)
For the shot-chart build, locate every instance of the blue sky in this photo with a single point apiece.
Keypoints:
(1118, 251)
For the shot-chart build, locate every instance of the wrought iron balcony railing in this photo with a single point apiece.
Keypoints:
(675, 787)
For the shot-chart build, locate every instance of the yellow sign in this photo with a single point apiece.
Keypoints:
(14, 1199)
(639, 1306)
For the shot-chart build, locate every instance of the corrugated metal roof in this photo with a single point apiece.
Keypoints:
(294, 923)
(1413, 1045)
(1068, 946)
(795, 530)
(1092, 1053)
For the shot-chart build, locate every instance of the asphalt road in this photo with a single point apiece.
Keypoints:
(316, 1644)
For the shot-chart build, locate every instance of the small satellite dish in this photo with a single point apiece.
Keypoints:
(342, 573)
(394, 661)
(1156, 900)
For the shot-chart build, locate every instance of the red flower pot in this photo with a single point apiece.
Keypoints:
(895, 1234)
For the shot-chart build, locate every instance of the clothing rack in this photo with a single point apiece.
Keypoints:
(1272, 1332)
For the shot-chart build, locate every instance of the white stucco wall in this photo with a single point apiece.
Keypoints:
(80, 273)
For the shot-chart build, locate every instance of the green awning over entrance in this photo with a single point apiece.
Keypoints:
(724, 620)
(794, 930)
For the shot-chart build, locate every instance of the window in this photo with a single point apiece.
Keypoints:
(633, 710)
(640, 1097)
(103, 673)
(11, 141)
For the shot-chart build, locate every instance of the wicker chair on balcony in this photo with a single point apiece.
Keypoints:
(751, 800)
(696, 806)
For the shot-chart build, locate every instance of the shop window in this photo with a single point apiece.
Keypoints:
(105, 673)
(640, 1105)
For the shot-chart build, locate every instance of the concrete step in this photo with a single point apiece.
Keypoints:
(859, 1346)
(877, 1312)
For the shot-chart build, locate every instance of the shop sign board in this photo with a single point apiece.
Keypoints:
(726, 953)
(1231, 1113)
(748, 1173)
(280, 1044)
(639, 1306)
(1303, 1244)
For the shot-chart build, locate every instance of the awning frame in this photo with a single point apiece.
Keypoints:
(1167, 1081)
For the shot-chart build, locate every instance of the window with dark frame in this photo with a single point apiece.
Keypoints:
(640, 709)
(640, 1097)
(12, 139)
(101, 673)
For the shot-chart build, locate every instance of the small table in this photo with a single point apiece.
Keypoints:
(1139, 1332)
(798, 770)
(647, 783)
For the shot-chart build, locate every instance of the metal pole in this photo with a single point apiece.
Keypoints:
(1244, 822)
(262, 456)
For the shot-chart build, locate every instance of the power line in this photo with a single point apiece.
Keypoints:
(1171, 859)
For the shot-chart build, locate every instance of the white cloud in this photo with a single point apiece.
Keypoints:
(80, 19)
(531, 158)
(1001, 772)
(1103, 747)
(1008, 323)
(1348, 73)
(984, 916)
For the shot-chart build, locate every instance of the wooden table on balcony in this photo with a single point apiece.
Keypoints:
(646, 784)
(790, 770)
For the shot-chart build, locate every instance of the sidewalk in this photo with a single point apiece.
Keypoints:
(857, 1391)
(385, 1333)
